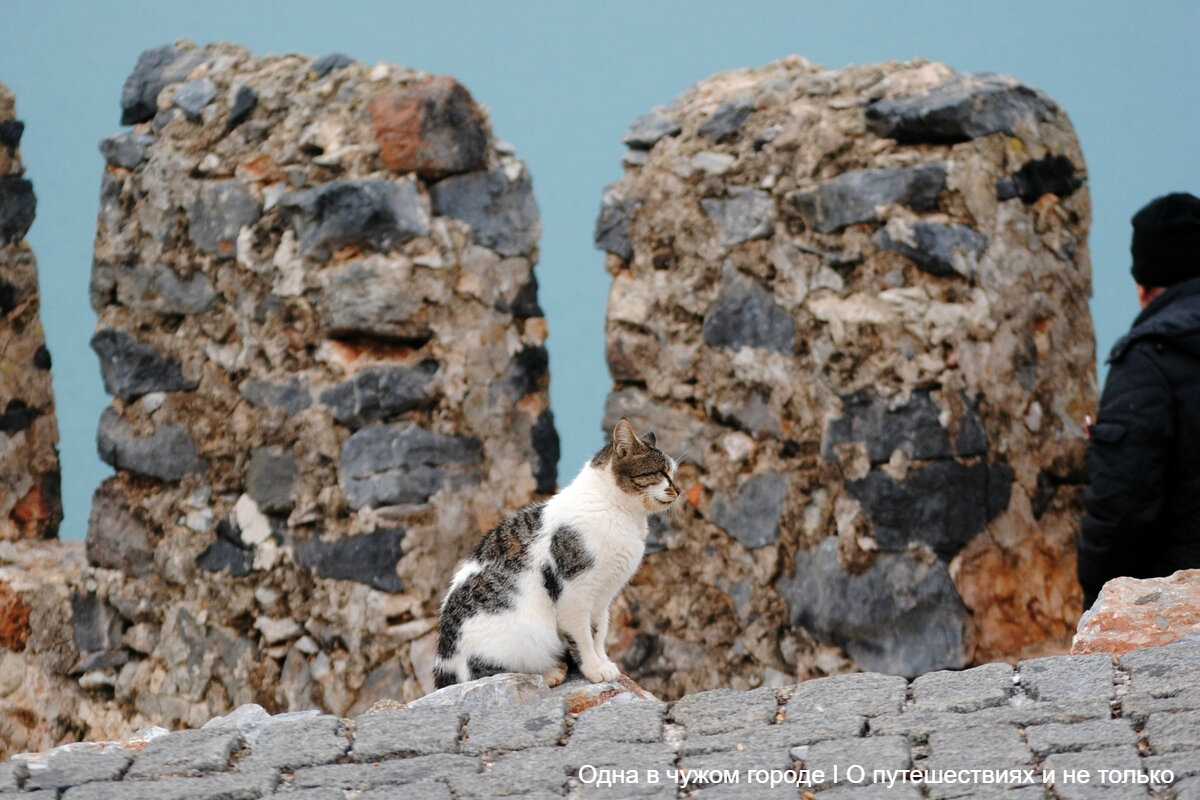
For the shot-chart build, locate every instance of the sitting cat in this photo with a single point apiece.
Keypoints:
(539, 585)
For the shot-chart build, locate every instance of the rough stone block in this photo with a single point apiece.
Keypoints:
(167, 454)
(745, 315)
(538, 724)
(368, 558)
(612, 225)
(379, 393)
(398, 772)
(214, 787)
(402, 463)
(538, 769)
(410, 732)
(432, 128)
(742, 215)
(620, 722)
(862, 694)
(726, 120)
(296, 744)
(67, 768)
(752, 516)
(126, 149)
(1131, 613)
(373, 213)
(855, 196)
(723, 710)
(1087, 679)
(647, 129)
(131, 368)
(969, 690)
(1070, 738)
(185, 753)
(1092, 762)
(1168, 732)
(872, 753)
(155, 70)
(498, 206)
(992, 747)
(936, 248)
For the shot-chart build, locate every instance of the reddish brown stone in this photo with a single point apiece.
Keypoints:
(14, 619)
(1132, 613)
(433, 128)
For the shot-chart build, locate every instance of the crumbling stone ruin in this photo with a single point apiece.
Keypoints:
(30, 502)
(319, 325)
(857, 300)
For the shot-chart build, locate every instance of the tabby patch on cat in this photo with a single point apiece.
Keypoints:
(538, 587)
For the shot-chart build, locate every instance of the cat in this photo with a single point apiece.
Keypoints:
(537, 588)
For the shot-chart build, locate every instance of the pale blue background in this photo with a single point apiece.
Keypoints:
(563, 80)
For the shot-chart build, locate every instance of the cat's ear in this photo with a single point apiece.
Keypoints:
(624, 439)
(649, 438)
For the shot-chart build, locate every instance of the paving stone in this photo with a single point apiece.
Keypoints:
(186, 753)
(1086, 678)
(297, 743)
(41, 794)
(1187, 789)
(1111, 758)
(440, 766)
(1140, 705)
(785, 736)
(866, 694)
(1163, 671)
(535, 769)
(285, 790)
(1168, 732)
(977, 791)
(872, 753)
(993, 747)
(66, 768)
(1092, 735)
(408, 732)
(968, 690)
(739, 760)
(874, 791)
(1183, 763)
(212, 787)
(722, 710)
(11, 775)
(540, 723)
(620, 722)
(423, 790)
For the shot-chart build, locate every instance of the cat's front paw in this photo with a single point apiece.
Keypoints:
(602, 672)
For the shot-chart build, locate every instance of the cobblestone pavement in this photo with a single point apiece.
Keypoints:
(1131, 728)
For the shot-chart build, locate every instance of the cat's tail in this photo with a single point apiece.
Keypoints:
(443, 677)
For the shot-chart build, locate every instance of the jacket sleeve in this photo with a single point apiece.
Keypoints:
(1126, 463)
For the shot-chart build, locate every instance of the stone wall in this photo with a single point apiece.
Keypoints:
(319, 325)
(857, 300)
(30, 504)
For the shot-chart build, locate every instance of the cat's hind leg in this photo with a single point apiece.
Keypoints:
(575, 625)
(555, 675)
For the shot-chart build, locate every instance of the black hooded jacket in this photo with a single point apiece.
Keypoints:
(1143, 459)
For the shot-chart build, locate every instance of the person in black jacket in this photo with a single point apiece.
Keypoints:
(1143, 503)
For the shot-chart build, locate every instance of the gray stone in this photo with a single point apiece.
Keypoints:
(71, 768)
(874, 791)
(707, 770)
(965, 107)
(167, 454)
(803, 730)
(899, 616)
(1183, 763)
(722, 710)
(1138, 706)
(380, 214)
(116, 537)
(1168, 732)
(227, 551)
(752, 516)
(18, 206)
(1091, 763)
(914, 427)
(539, 769)
(612, 225)
(854, 197)
(991, 747)
(862, 693)
(945, 504)
(539, 723)
(493, 692)
(647, 129)
(40, 794)
(378, 393)
(1038, 177)
(96, 625)
(155, 69)
(366, 299)
(368, 558)
(620, 722)
(1163, 671)
(194, 95)
(938, 249)
(409, 732)
(126, 149)
(746, 315)
(131, 368)
(192, 296)
(432, 127)
(213, 787)
(397, 772)
(186, 753)
(422, 790)
(501, 210)
(876, 752)
(269, 478)
(1076, 679)
(221, 209)
(969, 690)
(742, 215)
(1066, 738)
(291, 397)
(726, 120)
(295, 744)
(12, 773)
(242, 100)
(326, 64)
(401, 463)
(753, 416)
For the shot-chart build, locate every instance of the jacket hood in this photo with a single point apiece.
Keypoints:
(1173, 318)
